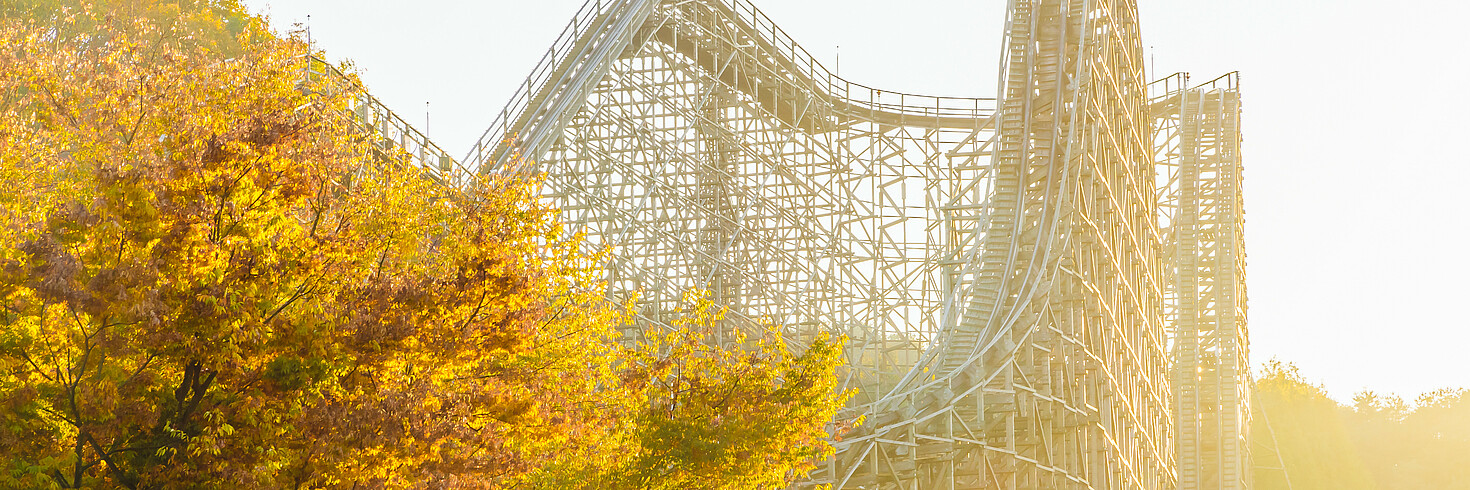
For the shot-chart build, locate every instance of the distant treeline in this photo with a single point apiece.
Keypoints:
(1380, 442)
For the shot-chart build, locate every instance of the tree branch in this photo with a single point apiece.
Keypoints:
(123, 478)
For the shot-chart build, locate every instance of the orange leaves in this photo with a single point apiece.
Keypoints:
(222, 283)
(209, 276)
(738, 414)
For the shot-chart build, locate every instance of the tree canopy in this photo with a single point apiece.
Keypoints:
(728, 418)
(1380, 442)
(220, 27)
(209, 279)
(1309, 431)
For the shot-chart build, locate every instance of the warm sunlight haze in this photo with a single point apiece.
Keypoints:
(734, 244)
(1354, 187)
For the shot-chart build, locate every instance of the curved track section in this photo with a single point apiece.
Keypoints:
(712, 152)
(995, 263)
(1051, 370)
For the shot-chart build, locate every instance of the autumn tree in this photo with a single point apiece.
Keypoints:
(207, 282)
(219, 27)
(209, 278)
(748, 415)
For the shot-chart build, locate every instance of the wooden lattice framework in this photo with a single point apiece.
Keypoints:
(1198, 139)
(714, 153)
(1008, 270)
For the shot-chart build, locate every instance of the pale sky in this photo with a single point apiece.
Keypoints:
(1356, 137)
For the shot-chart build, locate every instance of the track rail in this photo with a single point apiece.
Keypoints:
(526, 123)
(1004, 267)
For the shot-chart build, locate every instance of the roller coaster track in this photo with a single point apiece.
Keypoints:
(390, 134)
(1197, 138)
(1041, 290)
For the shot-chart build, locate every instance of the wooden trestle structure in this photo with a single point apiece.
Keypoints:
(1041, 290)
(1198, 136)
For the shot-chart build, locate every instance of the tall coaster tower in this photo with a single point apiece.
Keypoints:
(1051, 370)
(1198, 135)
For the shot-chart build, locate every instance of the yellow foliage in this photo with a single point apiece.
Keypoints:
(735, 416)
(1380, 442)
(210, 278)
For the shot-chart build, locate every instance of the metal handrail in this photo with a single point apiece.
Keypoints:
(852, 93)
(371, 113)
(581, 22)
(852, 98)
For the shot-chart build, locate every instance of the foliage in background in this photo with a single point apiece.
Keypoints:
(1377, 443)
(207, 281)
(1423, 446)
(1310, 431)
